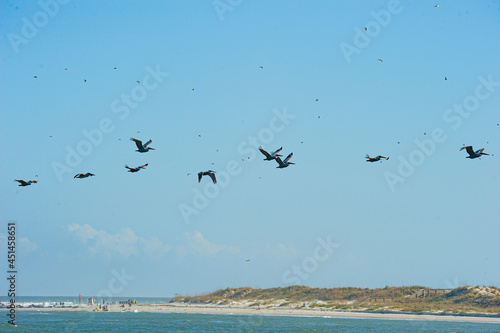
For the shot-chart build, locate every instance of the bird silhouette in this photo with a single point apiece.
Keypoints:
(142, 148)
(209, 173)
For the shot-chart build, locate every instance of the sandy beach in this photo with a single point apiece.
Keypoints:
(280, 311)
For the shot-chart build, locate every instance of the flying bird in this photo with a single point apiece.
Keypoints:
(366, 28)
(137, 168)
(84, 80)
(261, 67)
(285, 163)
(140, 147)
(65, 69)
(380, 60)
(138, 81)
(272, 156)
(375, 159)
(24, 183)
(84, 175)
(473, 154)
(445, 78)
(436, 5)
(35, 77)
(317, 99)
(207, 173)
(114, 68)
(247, 260)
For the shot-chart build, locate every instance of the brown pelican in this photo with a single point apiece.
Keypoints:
(84, 175)
(473, 154)
(24, 183)
(207, 173)
(141, 148)
(285, 163)
(137, 168)
(272, 156)
(375, 159)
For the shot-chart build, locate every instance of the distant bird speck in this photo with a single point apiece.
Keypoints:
(247, 260)
(285, 163)
(380, 60)
(140, 147)
(114, 68)
(261, 67)
(436, 6)
(24, 183)
(138, 81)
(84, 80)
(137, 168)
(65, 69)
(35, 77)
(319, 117)
(316, 99)
(473, 154)
(445, 78)
(272, 156)
(376, 159)
(366, 28)
(209, 173)
(84, 175)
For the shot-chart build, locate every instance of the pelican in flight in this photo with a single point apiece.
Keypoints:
(84, 175)
(272, 156)
(24, 183)
(207, 173)
(375, 159)
(285, 163)
(142, 148)
(473, 154)
(137, 168)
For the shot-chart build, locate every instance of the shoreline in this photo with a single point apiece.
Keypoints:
(224, 309)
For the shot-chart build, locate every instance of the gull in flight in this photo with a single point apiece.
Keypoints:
(285, 163)
(137, 168)
(272, 156)
(84, 175)
(473, 154)
(375, 159)
(207, 173)
(142, 148)
(24, 183)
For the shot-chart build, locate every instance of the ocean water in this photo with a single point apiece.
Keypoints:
(83, 321)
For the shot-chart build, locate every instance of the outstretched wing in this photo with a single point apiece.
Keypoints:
(200, 174)
(382, 157)
(138, 143)
(126, 166)
(143, 166)
(212, 175)
(147, 143)
(277, 152)
(469, 149)
(480, 152)
(22, 182)
(288, 157)
(266, 154)
(280, 162)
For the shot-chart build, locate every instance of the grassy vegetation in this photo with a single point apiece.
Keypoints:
(463, 299)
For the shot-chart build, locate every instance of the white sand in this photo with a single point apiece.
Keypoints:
(279, 311)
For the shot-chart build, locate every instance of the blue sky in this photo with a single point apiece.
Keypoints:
(427, 216)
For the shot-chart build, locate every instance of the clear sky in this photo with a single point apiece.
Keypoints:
(427, 216)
